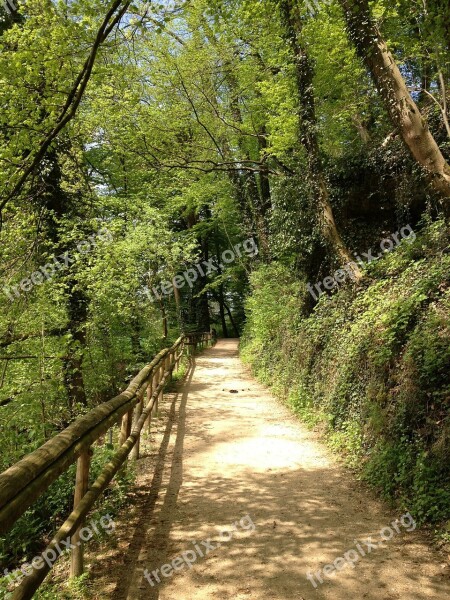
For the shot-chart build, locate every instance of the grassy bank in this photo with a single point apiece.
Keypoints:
(370, 365)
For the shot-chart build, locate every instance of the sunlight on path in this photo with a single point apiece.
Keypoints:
(235, 454)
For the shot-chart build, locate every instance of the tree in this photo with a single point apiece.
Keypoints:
(304, 75)
(403, 111)
(34, 155)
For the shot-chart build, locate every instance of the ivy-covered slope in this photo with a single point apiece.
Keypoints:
(371, 365)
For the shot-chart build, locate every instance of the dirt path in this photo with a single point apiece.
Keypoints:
(222, 458)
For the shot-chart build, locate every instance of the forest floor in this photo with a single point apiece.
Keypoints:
(227, 452)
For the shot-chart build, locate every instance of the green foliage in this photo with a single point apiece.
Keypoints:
(74, 589)
(186, 141)
(39, 522)
(370, 366)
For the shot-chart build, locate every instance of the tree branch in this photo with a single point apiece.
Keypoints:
(9, 339)
(74, 98)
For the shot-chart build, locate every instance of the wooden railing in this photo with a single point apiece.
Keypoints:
(26, 481)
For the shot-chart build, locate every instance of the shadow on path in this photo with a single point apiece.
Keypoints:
(244, 453)
(141, 539)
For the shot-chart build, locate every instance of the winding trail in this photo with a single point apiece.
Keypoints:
(219, 456)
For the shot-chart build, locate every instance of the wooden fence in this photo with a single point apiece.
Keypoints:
(26, 481)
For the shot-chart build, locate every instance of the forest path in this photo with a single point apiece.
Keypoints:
(220, 458)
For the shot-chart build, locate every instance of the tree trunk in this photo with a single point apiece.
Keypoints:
(402, 109)
(361, 128)
(135, 336)
(221, 296)
(254, 201)
(199, 304)
(58, 205)
(203, 316)
(232, 321)
(259, 199)
(73, 361)
(177, 296)
(165, 326)
(308, 134)
(220, 299)
(264, 181)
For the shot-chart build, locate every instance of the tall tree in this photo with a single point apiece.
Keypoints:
(304, 73)
(58, 205)
(403, 111)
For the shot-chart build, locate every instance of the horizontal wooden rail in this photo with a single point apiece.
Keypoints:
(26, 481)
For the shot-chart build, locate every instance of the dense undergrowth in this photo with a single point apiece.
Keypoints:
(370, 365)
(36, 527)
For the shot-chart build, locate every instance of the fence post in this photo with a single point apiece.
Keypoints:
(161, 394)
(149, 396)
(125, 430)
(178, 357)
(81, 487)
(157, 380)
(168, 365)
(139, 408)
